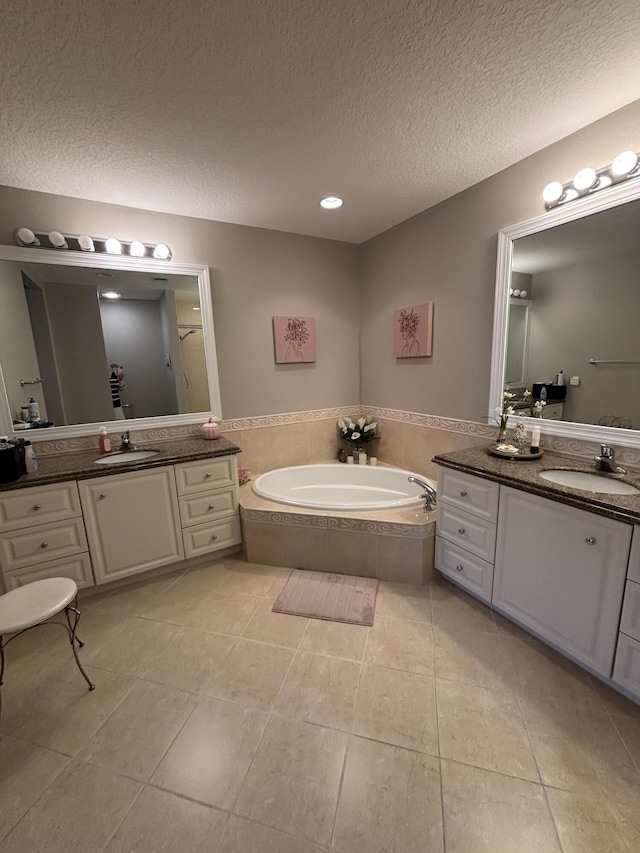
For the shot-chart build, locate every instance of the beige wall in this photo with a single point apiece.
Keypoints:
(255, 274)
(448, 255)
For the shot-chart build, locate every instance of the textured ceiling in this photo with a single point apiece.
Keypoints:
(250, 111)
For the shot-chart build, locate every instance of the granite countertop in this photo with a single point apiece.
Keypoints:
(81, 465)
(524, 474)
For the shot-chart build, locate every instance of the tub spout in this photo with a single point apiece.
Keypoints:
(430, 495)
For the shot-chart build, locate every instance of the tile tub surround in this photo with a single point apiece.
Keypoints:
(524, 475)
(394, 545)
(390, 737)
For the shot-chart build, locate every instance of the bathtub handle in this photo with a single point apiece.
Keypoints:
(463, 494)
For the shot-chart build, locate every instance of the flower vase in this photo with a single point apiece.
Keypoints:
(502, 436)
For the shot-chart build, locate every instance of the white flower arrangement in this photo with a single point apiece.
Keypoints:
(535, 409)
(359, 432)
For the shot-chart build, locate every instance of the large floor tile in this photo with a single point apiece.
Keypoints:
(536, 670)
(26, 771)
(394, 602)
(401, 645)
(210, 757)
(139, 732)
(336, 639)
(591, 821)
(474, 657)
(244, 836)
(253, 579)
(131, 599)
(191, 661)
(280, 629)
(133, 650)
(390, 800)
(218, 612)
(294, 781)
(454, 611)
(26, 676)
(159, 821)
(251, 674)
(320, 690)
(484, 728)
(65, 714)
(398, 708)
(79, 812)
(487, 812)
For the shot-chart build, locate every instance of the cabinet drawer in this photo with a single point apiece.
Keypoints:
(626, 671)
(473, 494)
(40, 505)
(208, 506)
(203, 538)
(630, 622)
(21, 548)
(464, 568)
(206, 474)
(78, 568)
(467, 531)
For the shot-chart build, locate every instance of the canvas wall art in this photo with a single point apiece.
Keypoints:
(413, 331)
(294, 339)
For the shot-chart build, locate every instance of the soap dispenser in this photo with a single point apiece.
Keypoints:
(104, 441)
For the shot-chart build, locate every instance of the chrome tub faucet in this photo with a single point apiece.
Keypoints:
(430, 496)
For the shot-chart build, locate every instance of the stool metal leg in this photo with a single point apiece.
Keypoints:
(1, 670)
(72, 627)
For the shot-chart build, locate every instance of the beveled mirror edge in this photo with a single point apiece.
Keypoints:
(603, 200)
(95, 261)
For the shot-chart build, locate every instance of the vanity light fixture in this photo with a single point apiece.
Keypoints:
(84, 243)
(589, 180)
(331, 202)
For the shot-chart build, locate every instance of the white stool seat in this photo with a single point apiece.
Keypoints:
(34, 603)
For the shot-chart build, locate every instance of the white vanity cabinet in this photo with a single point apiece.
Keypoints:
(626, 671)
(42, 535)
(466, 530)
(132, 522)
(560, 571)
(208, 500)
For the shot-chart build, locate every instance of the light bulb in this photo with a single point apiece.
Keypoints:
(570, 194)
(137, 249)
(331, 202)
(586, 179)
(624, 164)
(26, 237)
(162, 252)
(553, 192)
(86, 243)
(111, 294)
(57, 240)
(516, 293)
(523, 294)
(113, 246)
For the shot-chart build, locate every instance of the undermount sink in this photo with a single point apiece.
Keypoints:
(590, 482)
(126, 456)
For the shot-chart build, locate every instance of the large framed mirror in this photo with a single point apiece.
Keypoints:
(580, 267)
(147, 356)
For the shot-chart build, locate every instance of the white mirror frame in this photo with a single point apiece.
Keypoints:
(599, 201)
(96, 261)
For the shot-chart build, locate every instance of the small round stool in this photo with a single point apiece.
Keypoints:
(32, 605)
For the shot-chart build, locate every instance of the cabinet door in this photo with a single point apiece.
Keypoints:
(561, 572)
(132, 522)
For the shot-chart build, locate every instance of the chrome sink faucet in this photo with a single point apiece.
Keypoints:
(430, 495)
(606, 461)
(126, 442)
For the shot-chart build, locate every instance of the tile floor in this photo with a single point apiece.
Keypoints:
(217, 725)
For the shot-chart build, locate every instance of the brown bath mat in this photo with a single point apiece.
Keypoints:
(320, 595)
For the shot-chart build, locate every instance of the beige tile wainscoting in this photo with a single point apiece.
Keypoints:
(218, 725)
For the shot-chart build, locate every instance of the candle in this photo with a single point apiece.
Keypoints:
(362, 458)
(349, 460)
(373, 460)
(535, 439)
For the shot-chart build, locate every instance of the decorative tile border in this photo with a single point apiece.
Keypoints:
(433, 421)
(285, 418)
(326, 522)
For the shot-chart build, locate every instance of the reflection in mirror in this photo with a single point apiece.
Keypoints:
(88, 359)
(580, 268)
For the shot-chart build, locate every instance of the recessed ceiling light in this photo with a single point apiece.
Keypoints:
(104, 275)
(110, 294)
(331, 202)
(196, 308)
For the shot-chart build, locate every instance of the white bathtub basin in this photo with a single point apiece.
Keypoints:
(341, 487)
(128, 456)
(589, 482)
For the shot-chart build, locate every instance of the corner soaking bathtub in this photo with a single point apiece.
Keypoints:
(341, 487)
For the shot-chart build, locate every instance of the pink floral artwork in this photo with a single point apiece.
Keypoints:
(294, 339)
(413, 331)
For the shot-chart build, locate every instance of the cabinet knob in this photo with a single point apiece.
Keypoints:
(590, 540)
(459, 568)
(36, 507)
(463, 494)
(207, 476)
(461, 531)
(212, 506)
(101, 496)
(44, 544)
(214, 538)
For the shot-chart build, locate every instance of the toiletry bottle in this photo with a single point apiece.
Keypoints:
(105, 441)
(34, 411)
(560, 378)
(543, 393)
(30, 458)
(535, 439)
(25, 414)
